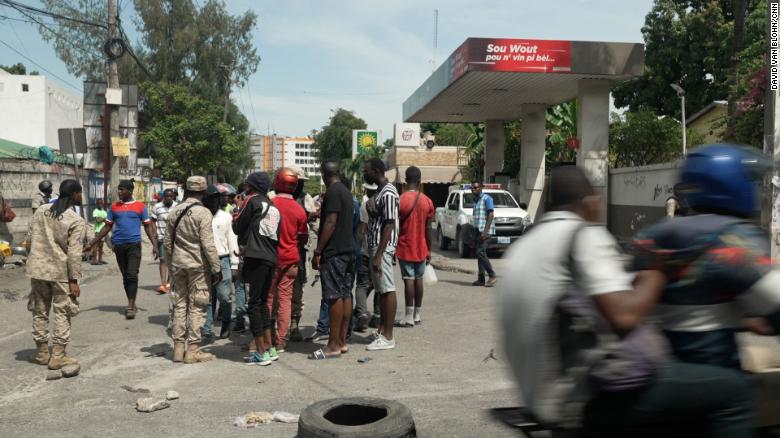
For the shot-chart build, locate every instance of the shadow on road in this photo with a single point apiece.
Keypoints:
(25, 355)
(457, 282)
(159, 319)
(156, 350)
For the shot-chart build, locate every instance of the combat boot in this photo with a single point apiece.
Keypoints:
(42, 356)
(194, 355)
(58, 358)
(178, 351)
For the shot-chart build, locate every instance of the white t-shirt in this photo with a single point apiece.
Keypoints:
(539, 277)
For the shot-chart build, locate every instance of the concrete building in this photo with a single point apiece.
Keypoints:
(270, 152)
(710, 122)
(33, 108)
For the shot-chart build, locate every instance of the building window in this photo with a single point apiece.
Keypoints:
(25, 87)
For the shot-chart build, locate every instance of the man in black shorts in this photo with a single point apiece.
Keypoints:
(335, 259)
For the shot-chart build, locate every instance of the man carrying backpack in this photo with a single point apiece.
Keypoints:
(576, 338)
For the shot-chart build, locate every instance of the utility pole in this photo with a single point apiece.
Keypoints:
(227, 92)
(770, 217)
(113, 82)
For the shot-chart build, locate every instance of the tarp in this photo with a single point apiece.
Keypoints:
(12, 149)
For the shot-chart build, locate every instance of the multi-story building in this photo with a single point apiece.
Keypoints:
(270, 152)
(33, 108)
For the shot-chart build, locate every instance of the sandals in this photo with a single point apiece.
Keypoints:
(130, 313)
(321, 355)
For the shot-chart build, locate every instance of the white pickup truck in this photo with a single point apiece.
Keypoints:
(455, 221)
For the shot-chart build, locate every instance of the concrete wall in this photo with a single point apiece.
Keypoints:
(711, 125)
(19, 183)
(637, 196)
(33, 117)
(438, 156)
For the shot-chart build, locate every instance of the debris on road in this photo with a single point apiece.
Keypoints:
(365, 359)
(254, 419)
(285, 417)
(71, 370)
(150, 404)
(172, 395)
(489, 356)
(53, 375)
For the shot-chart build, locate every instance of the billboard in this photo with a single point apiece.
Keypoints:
(364, 139)
(511, 55)
(407, 134)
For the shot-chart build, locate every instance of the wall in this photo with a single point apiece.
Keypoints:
(23, 114)
(33, 117)
(711, 125)
(637, 196)
(19, 182)
(438, 156)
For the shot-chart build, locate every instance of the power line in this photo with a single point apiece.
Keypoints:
(130, 49)
(41, 67)
(52, 14)
(17, 37)
(4, 17)
(56, 34)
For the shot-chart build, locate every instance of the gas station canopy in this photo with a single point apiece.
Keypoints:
(490, 79)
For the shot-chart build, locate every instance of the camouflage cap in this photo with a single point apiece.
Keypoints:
(196, 184)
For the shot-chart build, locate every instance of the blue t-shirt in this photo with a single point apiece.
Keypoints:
(127, 218)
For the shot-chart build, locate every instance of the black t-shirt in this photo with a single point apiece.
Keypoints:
(338, 199)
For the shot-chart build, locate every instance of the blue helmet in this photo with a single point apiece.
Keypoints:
(723, 177)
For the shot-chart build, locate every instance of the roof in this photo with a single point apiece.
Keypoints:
(430, 174)
(19, 151)
(490, 79)
(712, 105)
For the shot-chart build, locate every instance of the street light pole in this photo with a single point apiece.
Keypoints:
(681, 95)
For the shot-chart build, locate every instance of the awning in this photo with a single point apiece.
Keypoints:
(19, 151)
(430, 174)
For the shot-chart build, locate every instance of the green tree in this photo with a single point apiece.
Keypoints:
(512, 147)
(687, 42)
(474, 149)
(562, 132)
(334, 140)
(642, 138)
(18, 69)
(188, 134)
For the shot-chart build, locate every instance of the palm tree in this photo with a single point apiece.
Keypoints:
(562, 133)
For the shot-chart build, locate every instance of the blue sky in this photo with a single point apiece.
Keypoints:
(367, 56)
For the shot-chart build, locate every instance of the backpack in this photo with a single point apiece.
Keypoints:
(6, 212)
(592, 357)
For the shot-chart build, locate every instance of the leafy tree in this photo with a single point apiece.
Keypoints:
(334, 140)
(562, 133)
(512, 147)
(18, 69)
(475, 151)
(188, 133)
(686, 42)
(642, 138)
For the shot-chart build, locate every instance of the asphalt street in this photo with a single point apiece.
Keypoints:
(442, 370)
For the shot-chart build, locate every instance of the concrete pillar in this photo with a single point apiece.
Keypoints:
(494, 147)
(593, 131)
(533, 141)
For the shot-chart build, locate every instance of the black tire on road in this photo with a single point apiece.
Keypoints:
(315, 420)
(444, 243)
(464, 251)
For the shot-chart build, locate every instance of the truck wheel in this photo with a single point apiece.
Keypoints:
(463, 249)
(444, 242)
(356, 417)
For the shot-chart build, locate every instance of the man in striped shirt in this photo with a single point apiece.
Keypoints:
(382, 239)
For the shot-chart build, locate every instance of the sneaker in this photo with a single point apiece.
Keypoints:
(257, 359)
(318, 336)
(239, 326)
(491, 282)
(478, 283)
(381, 343)
(272, 354)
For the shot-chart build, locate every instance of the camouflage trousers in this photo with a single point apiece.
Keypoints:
(54, 297)
(190, 298)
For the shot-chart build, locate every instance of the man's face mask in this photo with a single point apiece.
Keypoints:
(212, 203)
(168, 202)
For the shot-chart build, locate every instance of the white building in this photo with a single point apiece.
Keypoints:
(270, 152)
(33, 108)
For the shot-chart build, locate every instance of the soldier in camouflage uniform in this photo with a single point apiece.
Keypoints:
(194, 262)
(54, 267)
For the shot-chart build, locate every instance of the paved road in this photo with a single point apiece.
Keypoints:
(438, 369)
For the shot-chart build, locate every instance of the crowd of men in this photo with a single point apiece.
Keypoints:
(244, 252)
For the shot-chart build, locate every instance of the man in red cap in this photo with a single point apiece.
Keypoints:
(293, 231)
